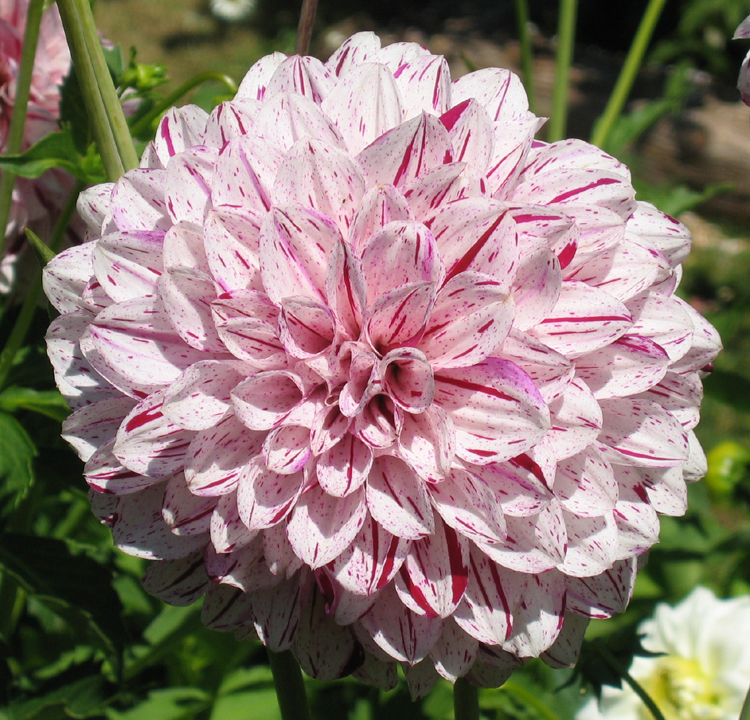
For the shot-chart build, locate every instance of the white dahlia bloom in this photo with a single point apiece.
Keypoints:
(702, 671)
(383, 377)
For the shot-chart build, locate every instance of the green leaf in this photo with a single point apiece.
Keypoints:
(80, 699)
(54, 150)
(263, 701)
(44, 402)
(43, 252)
(172, 704)
(16, 454)
(73, 586)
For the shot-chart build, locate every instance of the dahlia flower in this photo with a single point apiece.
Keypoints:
(703, 668)
(381, 376)
(743, 82)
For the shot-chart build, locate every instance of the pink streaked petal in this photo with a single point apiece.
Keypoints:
(680, 395)
(128, 265)
(289, 117)
(454, 653)
(371, 560)
(427, 442)
(180, 129)
(187, 295)
(570, 154)
(231, 239)
(407, 378)
(471, 133)
(346, 608)
(106, 474)
(420, 679)
(138, 202)
(381, 204)
(216, 457)
(177, 582)
(324, 649)
(536, 288)
(537, 602)
(583, 320)
(278, 552)
(404, 635)
(183, 247)
(435, 574)
(425, 84)
(585, 484)
(641, 433)
(407, 152)
(541, 226)
(519, 487)
(134, 346)
(255, 82)
(499, 91)
(479, 236)
(704, 347)
(377, 673)
(594, 544)
(243, 568)
(470, 507)
(401, 253)
(276, 613)
(92, 426)
(484, 612)
(346, 289)
(665, 320)
(79, 383)
(495, 407)
(148, 443)
(246, 321)
(395, 55)
(365, 104)
(486, 675)
(376, 423)
(228, 532)
(265, 497)
(576, 421)
(600, 229)
(306, 327)
(637, 522)
(471, 317)
(303, 75)
(199, 398)
(286, 449)
(630, 365)
(603, 595)
(344, 467)
(229, 120)
(263, 400)
(187, 190)
(565, 651)
(138, 527)
(579, 187)
(65, 276)
(399, 317)
(429, 191)
(94, 205)
(669, 236)
(322, 526)
(666, 489)
(185, 513)
(533, 544)
(225, 609)
(354, 51)
(245, 172)
(295, 243)
(697, 465)
(398, 500)
(513, 141)
(322, 177)
(550, 370)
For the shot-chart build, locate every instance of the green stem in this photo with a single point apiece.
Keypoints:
(465, 700)
(745, 712)
(613, 662)
(110, 128)
(142, 123)
(628, 73)
(566, 31)
(18, 118)
(527, 53)
(305, 27)
(290, 688)
(26, 315)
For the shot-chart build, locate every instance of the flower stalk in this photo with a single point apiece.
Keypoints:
(629, 71)
(110, 127)
(305, 27)
(465, 700)
(290, 688)
(527, 53)
(18, 120)
(566, 31)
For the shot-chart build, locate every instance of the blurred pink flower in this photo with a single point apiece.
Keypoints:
(380, 375)
(35, 202)
(743, 82)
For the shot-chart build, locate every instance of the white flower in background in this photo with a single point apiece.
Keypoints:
(704, 671)
(232, 10)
